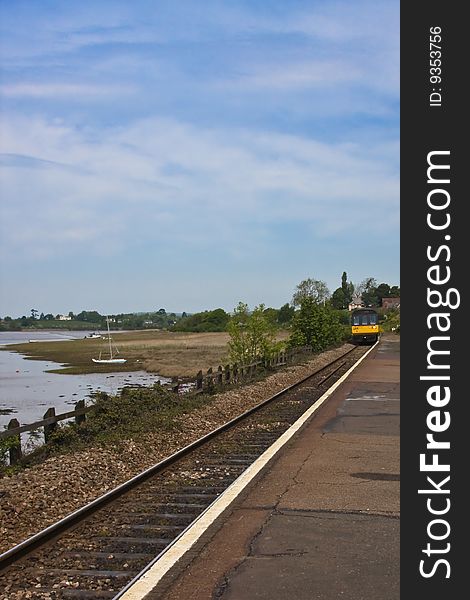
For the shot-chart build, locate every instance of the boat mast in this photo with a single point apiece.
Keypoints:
(109, 339)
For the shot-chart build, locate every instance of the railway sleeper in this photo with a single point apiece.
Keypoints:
(208, 497)
(136, 544)
(129, 540)
(207, 489)
(86, 594)
(74, 594)
(93, 573)
(223, 461)
(104, 560)
(115, 555)
(183, 506)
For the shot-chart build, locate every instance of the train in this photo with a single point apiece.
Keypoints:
(365, 325)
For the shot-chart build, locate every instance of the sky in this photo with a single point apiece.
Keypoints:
(190, 155)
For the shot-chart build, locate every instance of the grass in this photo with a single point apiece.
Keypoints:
(170, 354)
(111, 420)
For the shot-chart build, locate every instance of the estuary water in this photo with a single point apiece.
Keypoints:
(27, 391)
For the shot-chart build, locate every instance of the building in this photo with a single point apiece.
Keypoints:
(390, 303)
(356, 302)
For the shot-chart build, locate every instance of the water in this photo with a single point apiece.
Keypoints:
(27, 391)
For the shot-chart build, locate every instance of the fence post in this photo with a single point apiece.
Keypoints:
(210, 381)
(79, 418)
(49, 429)
(15, 452)
(219, 376)
(227, 374)
(199, 382)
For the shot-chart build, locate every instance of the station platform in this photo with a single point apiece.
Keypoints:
(322, 520)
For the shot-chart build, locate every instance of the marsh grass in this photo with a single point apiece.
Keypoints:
(113, 419)
(170, 354)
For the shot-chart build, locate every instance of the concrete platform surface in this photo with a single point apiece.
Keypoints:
(322, 523)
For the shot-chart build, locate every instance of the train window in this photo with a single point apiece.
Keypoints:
(365, 319)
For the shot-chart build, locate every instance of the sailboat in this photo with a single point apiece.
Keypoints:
(112, 360)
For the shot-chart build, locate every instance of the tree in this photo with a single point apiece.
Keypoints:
(285, 314)
(347, 288)
(271, 314)
(338, 299)
(34, 313)
(90, 316)
(209, 320)
(382, 291)
(252, 336)
(343, 295)
(366, 285)
(367, 290)
(316, 326)
(311, 288)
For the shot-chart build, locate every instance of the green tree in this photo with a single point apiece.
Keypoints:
(89, 316)
(343, 295)
(367, 290)
(366, 285)
(271, 314)
(209, 320)
(347, 288)
(285, 314)
(338, 299)
(252, 335)
(382, 291)
(316, 326)
(311, 288)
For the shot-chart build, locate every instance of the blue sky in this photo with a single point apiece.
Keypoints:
(190, 155)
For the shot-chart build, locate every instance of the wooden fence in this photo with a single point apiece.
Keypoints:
(211, 381)
(236, 374)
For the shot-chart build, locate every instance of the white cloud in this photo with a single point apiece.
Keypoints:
(54, 90)
(118, 184)
(291, 76)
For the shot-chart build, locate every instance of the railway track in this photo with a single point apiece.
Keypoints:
(94, 552)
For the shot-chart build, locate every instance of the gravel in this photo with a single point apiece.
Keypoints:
(40, 495)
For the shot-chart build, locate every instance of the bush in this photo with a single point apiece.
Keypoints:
(252, 335)
(207, 321)
(316, 326)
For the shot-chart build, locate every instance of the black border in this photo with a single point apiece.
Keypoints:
(425, 128)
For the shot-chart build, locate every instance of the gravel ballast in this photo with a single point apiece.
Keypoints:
(42, 494)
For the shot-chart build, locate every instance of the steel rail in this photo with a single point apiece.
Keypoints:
(59, 527)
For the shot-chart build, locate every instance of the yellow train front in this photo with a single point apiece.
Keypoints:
(364, 325)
